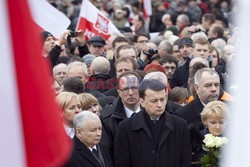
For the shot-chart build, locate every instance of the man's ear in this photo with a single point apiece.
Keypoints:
(196, 88)
(142, 102)
(78, 132)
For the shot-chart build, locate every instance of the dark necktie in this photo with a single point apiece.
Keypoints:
(133, 114)
(94, 151)
(155, 121)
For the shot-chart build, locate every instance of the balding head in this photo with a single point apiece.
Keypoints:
(100, 65)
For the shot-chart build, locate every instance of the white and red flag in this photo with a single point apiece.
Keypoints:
(32, 132)
(92, 22)
(48, 18)
(147, 8)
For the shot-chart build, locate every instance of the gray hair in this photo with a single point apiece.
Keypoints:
(198, 35)
(200, 60)
(157, 75)
(219, 44)
(82, 117)
(78, 64)
(56, 66)
(198, 74)
(166, 45)
(101, 65)
(184, 18)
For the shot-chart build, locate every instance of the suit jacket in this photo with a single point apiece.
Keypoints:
(134, 145)
(191, 112)
(82, 156)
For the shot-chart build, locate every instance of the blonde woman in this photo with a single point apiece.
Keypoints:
(90, 103)
(70, 105)
(213, 117)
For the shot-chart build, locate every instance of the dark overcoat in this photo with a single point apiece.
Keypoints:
(82, 156)
(134, 146)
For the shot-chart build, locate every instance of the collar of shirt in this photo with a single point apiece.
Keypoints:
(130, 112)
(153, 119)
(92, 148)
(69, 131)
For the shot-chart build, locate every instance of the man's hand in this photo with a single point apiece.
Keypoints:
(80, 38)
(63, 38)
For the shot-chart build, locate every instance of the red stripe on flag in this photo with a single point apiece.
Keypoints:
(88, 29)
(45, 141)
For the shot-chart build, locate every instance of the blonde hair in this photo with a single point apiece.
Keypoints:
(217, 108)
(65, 98)
(87, 99)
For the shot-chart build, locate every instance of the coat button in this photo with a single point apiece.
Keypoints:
(153, 152)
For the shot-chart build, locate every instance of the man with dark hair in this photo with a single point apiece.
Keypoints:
(123, 64)
(73, 84)
(124, 106)
(207, 20)
(153, 133)
(117, 42)
(140, 39)
(215, 32)
(169, 63)
(180, 76)
(139, 24)
(96, 45)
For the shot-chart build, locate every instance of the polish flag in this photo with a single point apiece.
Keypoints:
(147, 12)
(32, 132)
(92, 22)
(48, 18)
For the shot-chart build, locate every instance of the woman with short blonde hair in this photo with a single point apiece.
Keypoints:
(70, 106)
(213, 117)
(89, 102)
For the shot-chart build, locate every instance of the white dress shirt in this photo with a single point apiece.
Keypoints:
(130, 112)
(69, 131)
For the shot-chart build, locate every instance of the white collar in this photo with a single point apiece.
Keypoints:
(130, 112)
(69, 131)
(92, 148)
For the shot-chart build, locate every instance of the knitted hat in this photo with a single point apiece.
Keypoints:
(185, 41)
(45, 35)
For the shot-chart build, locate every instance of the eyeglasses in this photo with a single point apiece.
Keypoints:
(143, 41)
(126, 90)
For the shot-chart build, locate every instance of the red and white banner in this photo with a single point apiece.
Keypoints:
(32, 132)
(48, 17)
(92, 22)
(147, 8)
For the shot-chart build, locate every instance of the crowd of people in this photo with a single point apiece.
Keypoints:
(139, 99)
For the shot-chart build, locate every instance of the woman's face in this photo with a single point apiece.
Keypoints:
(215, 58)
(215, 125)
(94, 108)
(73, 108)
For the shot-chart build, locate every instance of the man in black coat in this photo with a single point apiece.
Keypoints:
(153, 137)
(180, 76)
(100, 79)
(87, 150)
(207, 86)
(124, 106)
